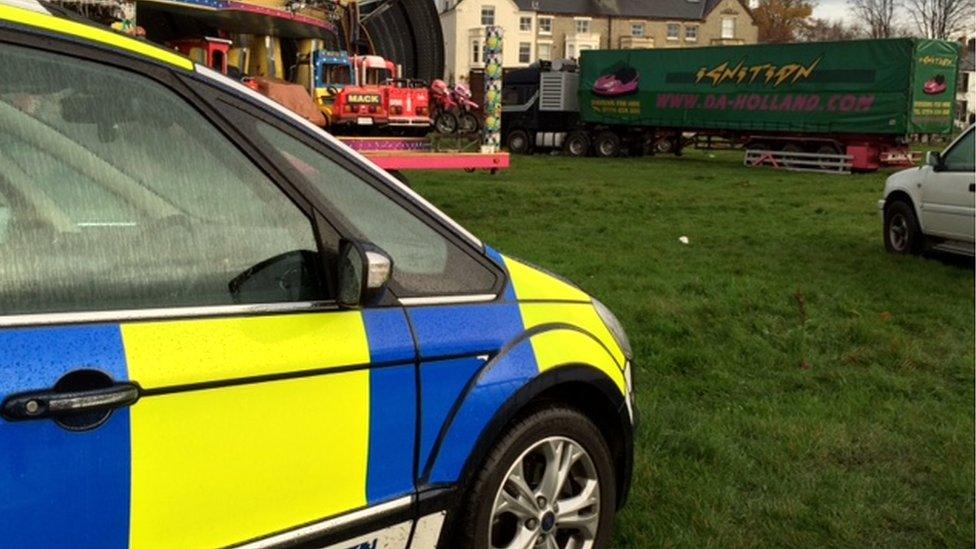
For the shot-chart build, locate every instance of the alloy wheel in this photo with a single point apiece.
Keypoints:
(898, 232)
(549, 498)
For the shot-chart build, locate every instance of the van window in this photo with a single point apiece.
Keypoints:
(962, 156)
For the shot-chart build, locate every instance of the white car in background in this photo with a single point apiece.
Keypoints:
(932, 206)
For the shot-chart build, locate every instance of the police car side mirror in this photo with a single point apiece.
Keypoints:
(934, 159)
(364, 270)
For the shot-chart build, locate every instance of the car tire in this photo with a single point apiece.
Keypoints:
(489, 517)
(577, 144)
(902, 235)
(518, 142)
(607, 144)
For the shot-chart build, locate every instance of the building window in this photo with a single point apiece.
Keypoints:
(525, 24)
(674, 31)
(637, 30)
(728, 27)
(570, 51)
(582, 26)
(691, 33)
(525, 52)
(476, 51)
(545, 52)
(545, 25)
(487, 15)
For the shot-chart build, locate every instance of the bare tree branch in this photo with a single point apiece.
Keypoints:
(823, 30)
(876, 16)
(941, 18)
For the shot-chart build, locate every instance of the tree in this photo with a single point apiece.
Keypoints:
(781, 21)
(941, 18)
(877, 16)
(823, 30)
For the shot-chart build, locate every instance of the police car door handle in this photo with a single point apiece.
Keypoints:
(52, 404)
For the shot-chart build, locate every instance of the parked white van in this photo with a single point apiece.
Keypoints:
(932, 206)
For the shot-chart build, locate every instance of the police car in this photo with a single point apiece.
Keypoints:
(221, 327)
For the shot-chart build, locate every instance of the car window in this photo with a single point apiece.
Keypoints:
(115, 193)
(424, 261)
(962, 156)
(6, 212)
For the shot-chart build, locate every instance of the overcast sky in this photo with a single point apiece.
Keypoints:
(831, 9)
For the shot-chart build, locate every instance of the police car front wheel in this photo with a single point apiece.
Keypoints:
(548, 483)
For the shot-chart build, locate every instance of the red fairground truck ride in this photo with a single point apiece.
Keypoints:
(380, 104)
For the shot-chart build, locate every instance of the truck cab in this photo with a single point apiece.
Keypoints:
(364, 102)
(373, 70)
(333, 72)
(540, 108)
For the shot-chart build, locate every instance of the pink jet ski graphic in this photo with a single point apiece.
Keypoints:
(936, 85)
(621, 79)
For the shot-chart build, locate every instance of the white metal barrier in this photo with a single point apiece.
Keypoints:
(800, 161)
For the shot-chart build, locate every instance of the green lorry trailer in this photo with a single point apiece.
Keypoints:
(862, 98)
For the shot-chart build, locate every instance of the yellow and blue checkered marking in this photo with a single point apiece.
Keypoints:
(249, 426)
(567, 331)
(62, 489)
(203, 466)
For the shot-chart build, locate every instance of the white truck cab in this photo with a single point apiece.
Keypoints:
(932, 206)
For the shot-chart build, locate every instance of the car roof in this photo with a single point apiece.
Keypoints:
(36, 17)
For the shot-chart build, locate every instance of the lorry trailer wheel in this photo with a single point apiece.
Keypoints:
(826, 149)
(664, 145)
(577, 144)
(518, 142)
(607, 144)
(791, 148)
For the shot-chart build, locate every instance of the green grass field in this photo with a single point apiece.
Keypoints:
(797, 385)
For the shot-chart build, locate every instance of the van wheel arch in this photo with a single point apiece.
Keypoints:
(903, 196)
